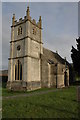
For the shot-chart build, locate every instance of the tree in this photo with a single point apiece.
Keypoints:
(75, 55)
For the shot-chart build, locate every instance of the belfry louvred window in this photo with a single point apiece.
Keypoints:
(18, 71)
(19, 30)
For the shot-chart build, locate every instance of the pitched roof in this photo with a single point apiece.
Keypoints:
(52, 57)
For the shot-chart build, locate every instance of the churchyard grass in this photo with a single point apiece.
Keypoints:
(6, 92)
(58, 104)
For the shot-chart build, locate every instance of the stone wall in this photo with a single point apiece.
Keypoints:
(52, 76)
(38, 64)
(44, 72)
(29, 42)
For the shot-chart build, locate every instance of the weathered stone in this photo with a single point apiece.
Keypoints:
(30, 65)
(33, 85)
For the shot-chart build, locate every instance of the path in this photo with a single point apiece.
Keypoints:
(30, 94)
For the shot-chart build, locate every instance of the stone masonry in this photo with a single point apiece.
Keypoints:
(30, 65)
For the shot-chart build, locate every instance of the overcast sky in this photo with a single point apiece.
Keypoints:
(59, 22)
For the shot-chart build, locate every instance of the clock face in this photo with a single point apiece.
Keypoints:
(18, 47)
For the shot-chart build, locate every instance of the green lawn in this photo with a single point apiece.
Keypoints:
(6, 92)
(58, 104)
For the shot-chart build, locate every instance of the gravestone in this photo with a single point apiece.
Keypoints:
(78, 93)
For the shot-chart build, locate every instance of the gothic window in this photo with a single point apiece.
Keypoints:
(19, 30)
(34, 31)
(18, 71)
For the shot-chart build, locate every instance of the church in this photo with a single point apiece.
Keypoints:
(31, 66)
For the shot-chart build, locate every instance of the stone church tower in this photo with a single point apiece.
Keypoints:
(24, 71)
(31, 66)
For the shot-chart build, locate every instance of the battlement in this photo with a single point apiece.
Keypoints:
(27, 18)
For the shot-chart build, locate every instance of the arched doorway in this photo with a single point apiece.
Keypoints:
(18, 71)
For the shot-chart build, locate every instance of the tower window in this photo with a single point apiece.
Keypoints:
(34, 31)
(18, 71)
(19, 30)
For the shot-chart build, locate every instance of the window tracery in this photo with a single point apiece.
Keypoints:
(19, 30)
(18, 71)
